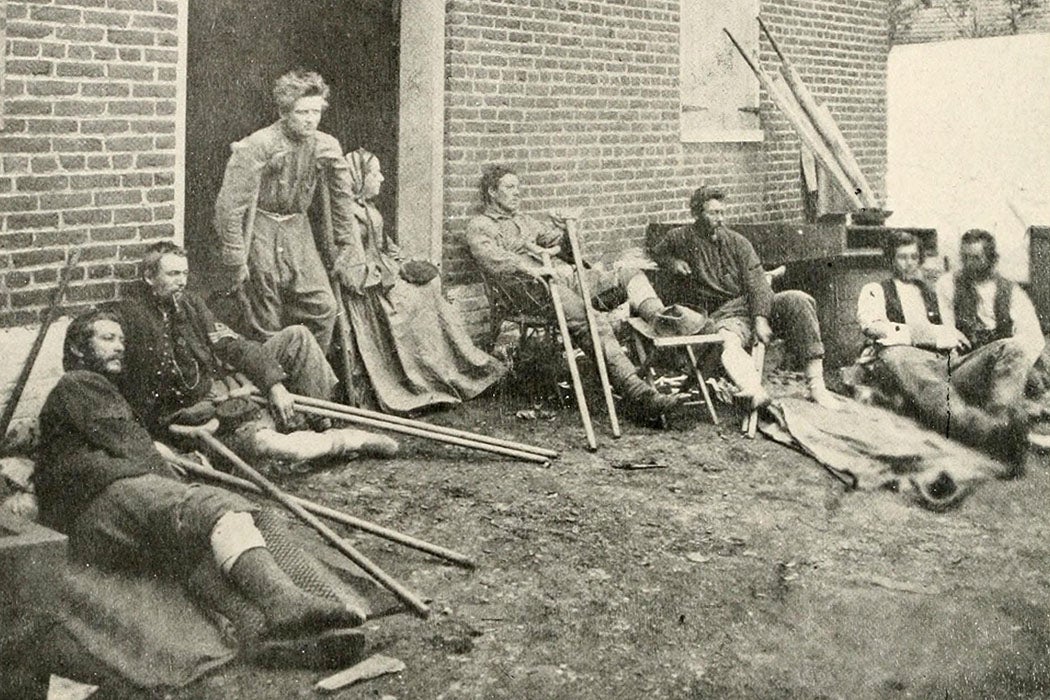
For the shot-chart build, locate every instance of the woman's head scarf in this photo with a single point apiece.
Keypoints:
(361, 162)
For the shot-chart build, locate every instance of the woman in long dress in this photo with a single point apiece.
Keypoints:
(410, 340)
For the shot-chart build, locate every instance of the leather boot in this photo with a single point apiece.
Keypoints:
(643, 399)
(290, 611)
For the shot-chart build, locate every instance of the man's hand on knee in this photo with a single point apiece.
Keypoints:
(763, 331)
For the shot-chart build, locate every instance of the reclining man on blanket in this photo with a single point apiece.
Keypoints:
(508, 246)
(721, 276)
(100, 480)
(957, 357)
(181, 364)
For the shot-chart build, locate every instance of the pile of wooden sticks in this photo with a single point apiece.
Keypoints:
(813, 123)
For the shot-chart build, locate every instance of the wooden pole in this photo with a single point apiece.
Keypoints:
(416, 432)
(570, 357)
(758, 356)
(592, 324)
(824, 123)
(342, 326)
(325, 512)
(807, 133)
(430, 427)
(38, 342)
(403, 594)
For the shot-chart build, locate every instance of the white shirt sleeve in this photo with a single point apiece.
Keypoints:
(871, 315)
(1026, 324)
(945, 289)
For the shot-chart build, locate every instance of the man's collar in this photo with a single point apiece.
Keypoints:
(496, 213)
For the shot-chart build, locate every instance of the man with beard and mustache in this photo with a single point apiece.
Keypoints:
(958, 357)
(181, 362)
(508, 246)
(721, 275)
(100, 480)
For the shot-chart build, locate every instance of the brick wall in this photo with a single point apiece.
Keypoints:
(582, 97)
(87, 149)
(944, 20)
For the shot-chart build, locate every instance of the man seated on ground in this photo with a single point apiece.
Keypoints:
(508, 246)
(181, 364)
(100, 480)
(956, 358)
(723, 278)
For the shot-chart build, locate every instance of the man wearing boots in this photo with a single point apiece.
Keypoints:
(723, 278)
(100, 480)
(957, 358)
(180, 363)
(508, 247)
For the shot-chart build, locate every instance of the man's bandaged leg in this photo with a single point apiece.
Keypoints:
(233, 535)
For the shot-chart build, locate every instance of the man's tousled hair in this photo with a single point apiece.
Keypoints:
(490, 180)
(151, 258)
(297, 84)
(986, 239)
(76, 348)
(703, 195)
(895, 240)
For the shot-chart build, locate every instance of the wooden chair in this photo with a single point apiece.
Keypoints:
(531, 312)
(648, 343)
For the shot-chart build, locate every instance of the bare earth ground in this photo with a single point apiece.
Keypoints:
(742, 570)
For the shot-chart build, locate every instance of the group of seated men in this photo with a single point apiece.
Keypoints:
(726, 290)
(958, 357)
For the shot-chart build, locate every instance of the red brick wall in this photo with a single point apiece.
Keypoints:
(583, 98)
(945, 20)
(87, 148)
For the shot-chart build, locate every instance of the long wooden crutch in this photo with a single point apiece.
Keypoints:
(439, 429)
(570, 357)
(203, 433)
(758, 356)
(342, 326)
(413, 431)
(571, 233)
(38, 342)
(332, 514)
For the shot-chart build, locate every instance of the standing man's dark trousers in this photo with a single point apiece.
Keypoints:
(287, 284)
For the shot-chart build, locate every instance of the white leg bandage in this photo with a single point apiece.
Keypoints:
(233, 535)
(639, 289)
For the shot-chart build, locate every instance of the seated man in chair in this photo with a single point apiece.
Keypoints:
(724, 279)
(181, 363)
(100, 480)
(508, 246)
(957, 358)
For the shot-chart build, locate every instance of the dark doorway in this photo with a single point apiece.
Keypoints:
(237, 50)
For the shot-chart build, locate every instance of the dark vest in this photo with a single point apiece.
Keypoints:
(966, 312)
(894, 310)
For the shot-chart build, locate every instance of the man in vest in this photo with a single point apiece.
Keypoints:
(956, 358)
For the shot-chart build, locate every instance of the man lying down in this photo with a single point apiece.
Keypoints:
(100, 480)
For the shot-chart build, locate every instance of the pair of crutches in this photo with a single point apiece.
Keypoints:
(596, 342)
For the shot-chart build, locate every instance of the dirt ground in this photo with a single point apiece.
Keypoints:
(741, 570)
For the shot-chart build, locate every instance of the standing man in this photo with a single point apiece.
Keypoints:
(100, 480)
(508, 246)
(268, 247)
(724, 279)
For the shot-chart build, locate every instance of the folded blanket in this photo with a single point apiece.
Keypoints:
(869, 447)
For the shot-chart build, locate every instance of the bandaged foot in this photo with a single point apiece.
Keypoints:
(818, 392)
(336, 442)
(822, 396)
